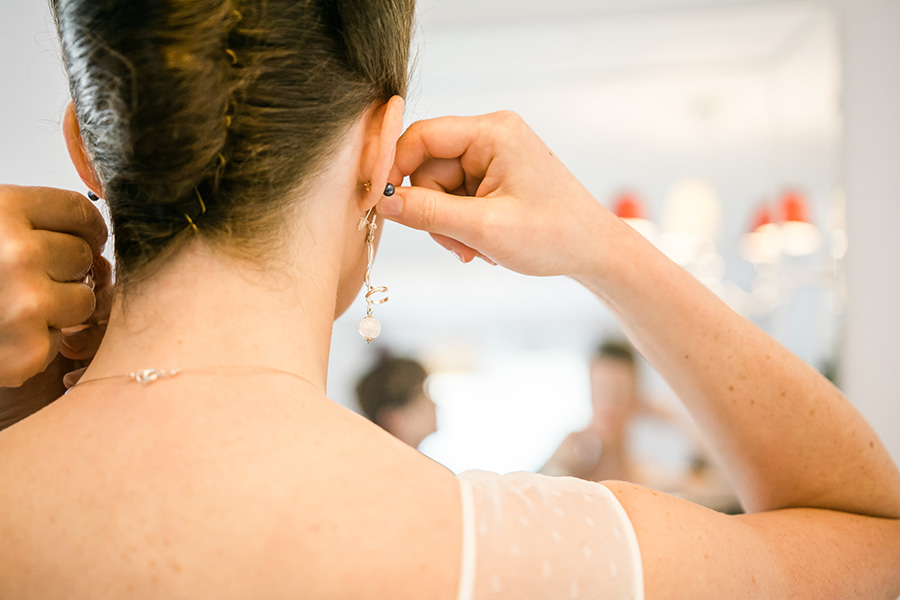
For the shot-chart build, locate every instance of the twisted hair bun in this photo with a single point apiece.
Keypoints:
(201, 115)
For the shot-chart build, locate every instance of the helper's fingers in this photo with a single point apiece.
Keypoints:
(66, 212)
(81, 343)
(72, 377)
(69, 304)
(27, 352)
(67, 258)
(104, 290)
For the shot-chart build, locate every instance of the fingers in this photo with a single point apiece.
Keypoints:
(48, 240)
(460, 250)
(438, 213)
(27, 352)
(104, 290)
(68, 258)
(442, 138)
(81, 343)
(66, 305)
(72, 377)
(457, 249)
(64, 211)
(446, 175)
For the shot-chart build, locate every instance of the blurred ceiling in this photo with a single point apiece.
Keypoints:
(651, 67)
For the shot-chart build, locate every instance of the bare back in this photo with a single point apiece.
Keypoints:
(220, 490)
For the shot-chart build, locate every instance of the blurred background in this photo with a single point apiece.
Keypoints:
(757, 143)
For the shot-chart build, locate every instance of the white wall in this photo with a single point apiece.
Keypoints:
(871, 357)
(33, 94)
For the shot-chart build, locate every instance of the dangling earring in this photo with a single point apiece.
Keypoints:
(369, 327)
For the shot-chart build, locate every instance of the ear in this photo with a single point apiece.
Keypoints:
(385, 124)
(77, 152)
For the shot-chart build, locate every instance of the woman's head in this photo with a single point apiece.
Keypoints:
(614, 386)
(392, 394)
(201, 117)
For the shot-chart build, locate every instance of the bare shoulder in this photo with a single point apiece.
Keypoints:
(692, 552)
(200, 497)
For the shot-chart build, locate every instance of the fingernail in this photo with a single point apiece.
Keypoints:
(458, 255)
(69, 380)
(487, 260)
(72, 377)
(75, 342)
(390, 206)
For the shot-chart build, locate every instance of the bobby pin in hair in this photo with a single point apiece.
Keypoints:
(191, 221)
(200, 198)
(229, 111)
(202, 209)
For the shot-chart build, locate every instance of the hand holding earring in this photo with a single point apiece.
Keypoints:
(369, 327)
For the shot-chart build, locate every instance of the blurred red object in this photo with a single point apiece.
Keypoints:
(762, 217)
(794, 207)
(629, 206)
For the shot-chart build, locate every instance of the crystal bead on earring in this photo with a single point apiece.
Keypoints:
(369, 328)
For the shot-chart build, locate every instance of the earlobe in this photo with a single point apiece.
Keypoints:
(77, 152)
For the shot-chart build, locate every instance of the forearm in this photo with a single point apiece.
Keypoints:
(787, 436)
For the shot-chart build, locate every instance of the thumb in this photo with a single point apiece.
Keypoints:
(456, 217)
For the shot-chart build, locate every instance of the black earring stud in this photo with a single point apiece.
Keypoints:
(94, 197)
(389, 189)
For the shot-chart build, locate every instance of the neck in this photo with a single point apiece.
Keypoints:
(208, 309)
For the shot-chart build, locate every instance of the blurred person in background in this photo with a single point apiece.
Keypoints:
(606, 448)
(393, 395)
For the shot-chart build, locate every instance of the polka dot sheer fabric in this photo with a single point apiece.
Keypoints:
(529, 536)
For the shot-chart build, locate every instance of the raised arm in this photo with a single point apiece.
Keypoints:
(824, 493)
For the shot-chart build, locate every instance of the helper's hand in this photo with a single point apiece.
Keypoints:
(488, 186)
(80, 343)
(49, 242)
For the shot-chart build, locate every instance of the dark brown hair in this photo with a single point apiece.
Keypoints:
(201, 115)
(619, 350)
(392, 383)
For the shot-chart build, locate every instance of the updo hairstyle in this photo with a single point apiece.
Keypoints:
(200, 116)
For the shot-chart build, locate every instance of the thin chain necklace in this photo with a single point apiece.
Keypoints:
(147, 376)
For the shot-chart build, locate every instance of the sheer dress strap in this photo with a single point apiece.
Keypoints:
(529, 536)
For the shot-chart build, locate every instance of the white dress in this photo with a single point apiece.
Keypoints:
(533, 537)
